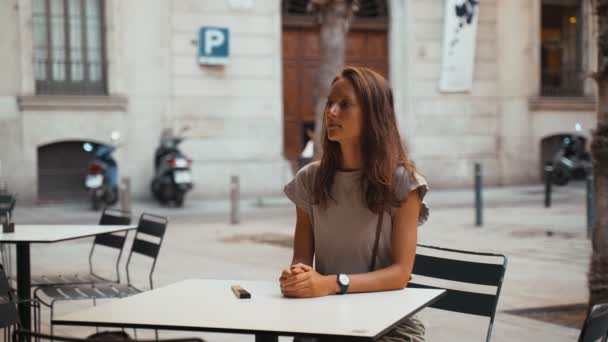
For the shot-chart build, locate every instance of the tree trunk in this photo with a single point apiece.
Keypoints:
(598, 269)
(598, 272)
(335, 18)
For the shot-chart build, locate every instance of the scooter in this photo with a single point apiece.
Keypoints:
(102, 175)
(572, 161)
(172, 176)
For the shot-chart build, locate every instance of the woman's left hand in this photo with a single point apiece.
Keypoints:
(306, 285)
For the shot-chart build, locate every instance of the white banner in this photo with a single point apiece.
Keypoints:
(458, 55)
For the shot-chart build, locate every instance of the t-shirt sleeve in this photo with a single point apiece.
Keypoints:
(404, 184)
(299, 190)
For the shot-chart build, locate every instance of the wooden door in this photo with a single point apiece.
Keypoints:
(364, 47)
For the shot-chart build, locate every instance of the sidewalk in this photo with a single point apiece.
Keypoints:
(544, 269)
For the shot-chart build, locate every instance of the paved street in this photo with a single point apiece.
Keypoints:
(547, 249)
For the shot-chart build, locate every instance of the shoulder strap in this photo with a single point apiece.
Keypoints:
(375, 250)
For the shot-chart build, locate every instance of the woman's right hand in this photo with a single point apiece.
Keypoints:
(292, 271)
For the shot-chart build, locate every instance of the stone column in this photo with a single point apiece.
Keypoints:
(518, 47)
(401, 47)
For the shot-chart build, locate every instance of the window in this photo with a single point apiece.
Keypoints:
(68, 47)
(561, 44)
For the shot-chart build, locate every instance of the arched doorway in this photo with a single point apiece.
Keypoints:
(366, 45)
(62, 167)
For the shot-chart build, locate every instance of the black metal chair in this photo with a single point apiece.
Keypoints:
(151, 227)
(9, 317)
(110, 240)
(23, 336)
(447, 264)
(7, 203)
(595, 326)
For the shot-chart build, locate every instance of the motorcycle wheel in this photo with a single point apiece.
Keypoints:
(179, 200)
(95, 201)
(111, 197)
(560, 176)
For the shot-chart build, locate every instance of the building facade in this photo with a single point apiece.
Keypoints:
(77, 70)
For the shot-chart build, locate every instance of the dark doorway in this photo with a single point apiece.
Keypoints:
(62, 168)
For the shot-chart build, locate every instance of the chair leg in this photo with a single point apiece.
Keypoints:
(96, 327)
(10, 261)
(39, 320)
(51, 321)
(3, 259)
(156, 333)
(38, 308)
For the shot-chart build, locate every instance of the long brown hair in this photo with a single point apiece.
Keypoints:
(381, 148)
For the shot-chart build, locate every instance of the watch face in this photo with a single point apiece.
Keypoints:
(343, 279)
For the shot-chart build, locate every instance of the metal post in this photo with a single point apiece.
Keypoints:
(125, 194)
(234, 199)
(478, 198)
(548, 181)
(590, 205)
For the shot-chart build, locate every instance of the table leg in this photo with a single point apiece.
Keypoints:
(23, 284)
(266, 338)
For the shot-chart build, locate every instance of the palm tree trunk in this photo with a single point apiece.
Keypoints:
(335, 18)
(598, 269)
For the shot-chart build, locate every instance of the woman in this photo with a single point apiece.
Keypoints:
(359, 207)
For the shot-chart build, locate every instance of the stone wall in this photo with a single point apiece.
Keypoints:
(234, 111)
(452, 131)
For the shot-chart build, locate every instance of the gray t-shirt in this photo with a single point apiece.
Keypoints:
(344, 232)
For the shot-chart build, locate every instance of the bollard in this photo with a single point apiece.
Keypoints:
(125, 194)
(478, 198)
(548, 181)
(590, 205)
(234, 199)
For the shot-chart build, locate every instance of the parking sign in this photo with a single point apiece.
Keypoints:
(213, 45)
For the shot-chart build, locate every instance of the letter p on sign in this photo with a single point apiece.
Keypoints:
(213, 45)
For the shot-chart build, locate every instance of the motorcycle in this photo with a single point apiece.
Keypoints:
(172, 176)
(572, 161)
(102, 175)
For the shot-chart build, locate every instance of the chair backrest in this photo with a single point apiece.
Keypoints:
(150, 227)
(455, 265)
(7, 201)
(111, 240)
(595, 326)
(24, 335)
(8, 309)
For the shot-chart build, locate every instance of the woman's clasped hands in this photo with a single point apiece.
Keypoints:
(302, 281)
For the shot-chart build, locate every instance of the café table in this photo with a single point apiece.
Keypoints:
(210, 305)
(25, 234)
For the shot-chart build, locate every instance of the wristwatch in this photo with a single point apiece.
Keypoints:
(343, 282)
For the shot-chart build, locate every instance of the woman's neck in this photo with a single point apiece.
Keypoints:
(351, 156)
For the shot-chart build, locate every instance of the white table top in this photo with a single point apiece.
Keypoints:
(210, 305)
(46, 233)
